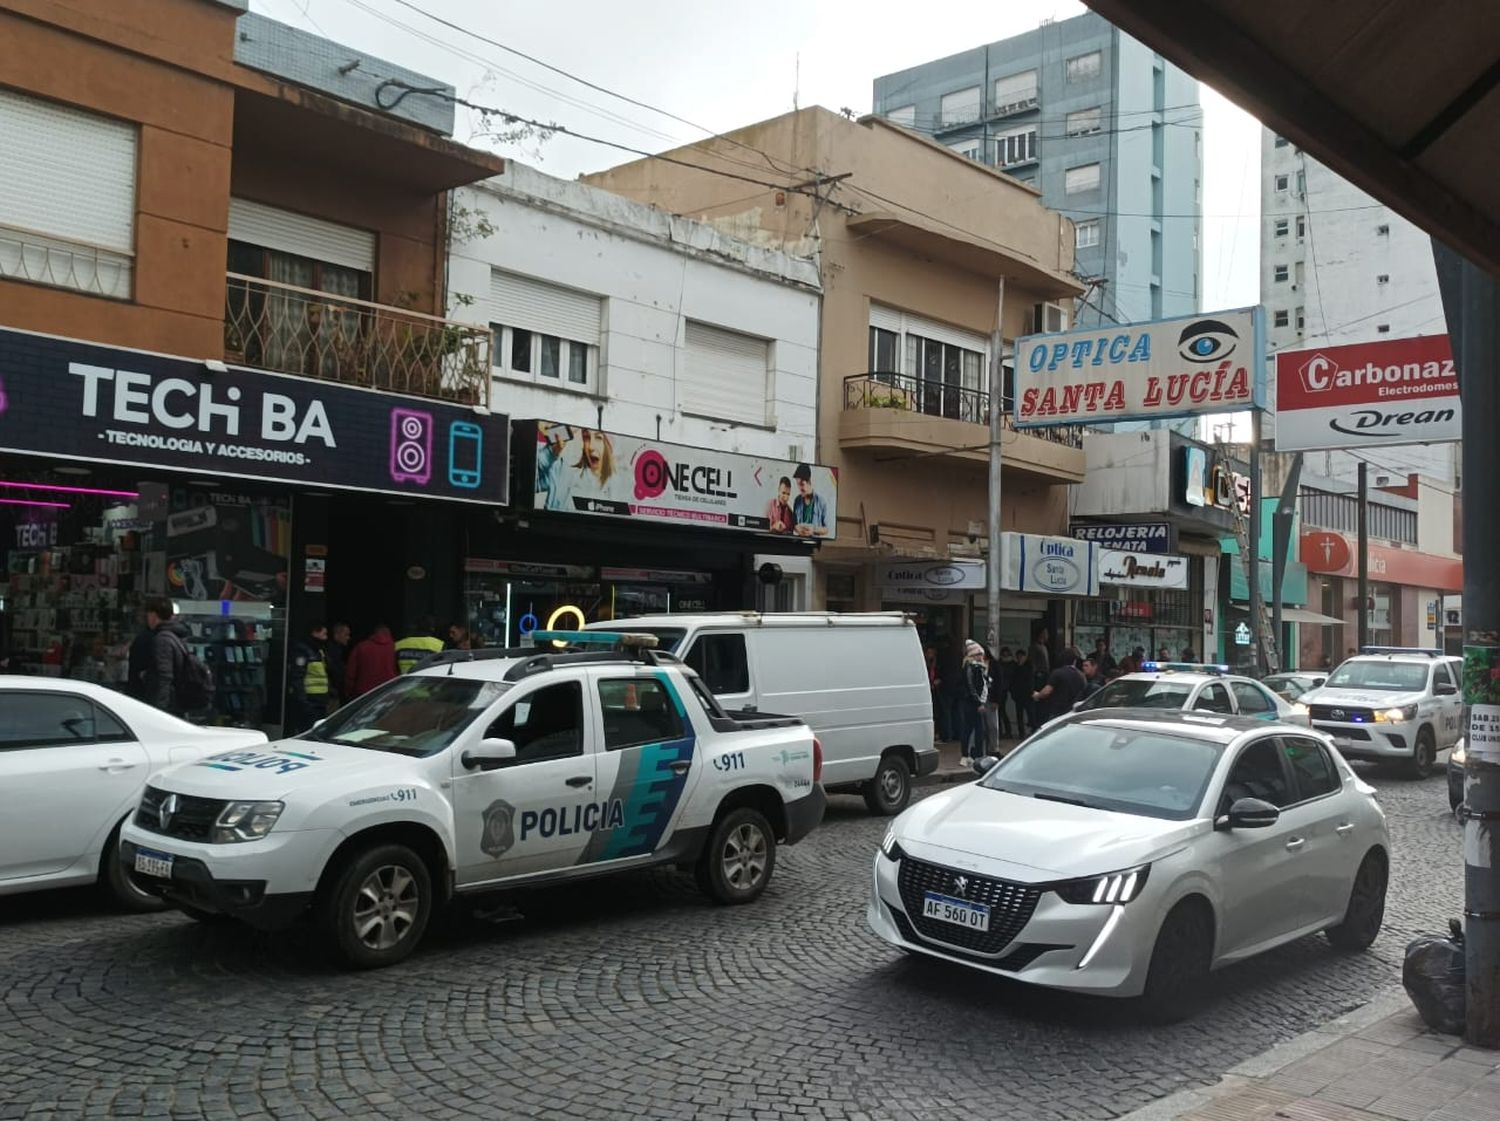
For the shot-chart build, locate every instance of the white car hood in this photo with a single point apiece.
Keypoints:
(1360, 698)
(277, 771)
(1035, 839)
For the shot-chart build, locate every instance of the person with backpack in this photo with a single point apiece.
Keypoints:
(171, 677)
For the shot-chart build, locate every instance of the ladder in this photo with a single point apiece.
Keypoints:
(1265, 630)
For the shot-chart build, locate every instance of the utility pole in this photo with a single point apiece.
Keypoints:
(1252, 559)
(1362, 516)
(997, 430)
(1281, 540)
(1471, 301)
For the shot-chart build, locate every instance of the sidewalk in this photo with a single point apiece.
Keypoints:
(951, 767)
(1379, 1063)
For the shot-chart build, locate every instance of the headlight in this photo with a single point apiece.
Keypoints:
(1395, 715)
(1299, 708)
(889, 847)
(1114, 887)
(245, 821)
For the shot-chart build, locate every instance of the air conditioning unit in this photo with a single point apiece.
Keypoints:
(1048, 318)
(1385, 481)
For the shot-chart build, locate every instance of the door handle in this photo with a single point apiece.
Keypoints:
(680, 767)
(1296, 843)
(116, 765)
(1347, 827)
(580, 780)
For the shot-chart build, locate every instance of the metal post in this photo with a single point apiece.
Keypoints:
(1252, 573)
(1471, 299)
(992, 561)
(1281, 540)
(1362, 521)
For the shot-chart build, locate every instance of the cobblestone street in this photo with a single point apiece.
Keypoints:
(635, 998)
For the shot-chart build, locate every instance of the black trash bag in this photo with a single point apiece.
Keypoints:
(1433, 975)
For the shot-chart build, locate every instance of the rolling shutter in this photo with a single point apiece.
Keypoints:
(270, 227)
(520, 301)
(725, 375)
(887, 319)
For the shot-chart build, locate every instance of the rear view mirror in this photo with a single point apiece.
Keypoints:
(985, 765)
(490, 753)
(1249, 813)
(1445, 689)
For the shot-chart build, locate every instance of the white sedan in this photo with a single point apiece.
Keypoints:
(1129, 854)
(1194, 687)
(74, 758)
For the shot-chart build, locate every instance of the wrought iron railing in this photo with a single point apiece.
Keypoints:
(940, 399)
(336, 338)
(44, 259)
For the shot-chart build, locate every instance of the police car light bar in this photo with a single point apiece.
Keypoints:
(1428, 651)
(623, 639)
(1182, 667)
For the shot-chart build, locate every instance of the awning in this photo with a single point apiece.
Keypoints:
(1302, 615)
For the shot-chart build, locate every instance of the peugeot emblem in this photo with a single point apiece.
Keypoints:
(960, 884)
(165, 810)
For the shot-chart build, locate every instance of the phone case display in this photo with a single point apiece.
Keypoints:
(72, 612)
(237, 651)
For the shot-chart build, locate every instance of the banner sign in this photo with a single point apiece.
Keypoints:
(1138, 571)
(586, 471)
(1392, 392)
(931, 574)
(1188, 366)
(1133, 537)
(1053, 566)
(99, 404)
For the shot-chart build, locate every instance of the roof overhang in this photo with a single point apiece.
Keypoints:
(1400, 97)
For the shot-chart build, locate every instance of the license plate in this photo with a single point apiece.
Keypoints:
(960, 912)
(151, 863)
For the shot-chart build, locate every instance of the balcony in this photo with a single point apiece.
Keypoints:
(905, 416)
(321, 335)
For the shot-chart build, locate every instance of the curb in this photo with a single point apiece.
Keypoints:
(944, 778)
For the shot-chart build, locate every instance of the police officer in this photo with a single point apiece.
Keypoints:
(307, 681)
(416, 647)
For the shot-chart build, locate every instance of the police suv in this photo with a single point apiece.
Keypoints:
(588, 754)
(1389, 704)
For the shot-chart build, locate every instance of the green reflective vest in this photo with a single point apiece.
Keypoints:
(410, 651)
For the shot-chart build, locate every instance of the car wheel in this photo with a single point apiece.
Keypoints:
(890, 790)
(1424, 756)
(737, 864)
(374, 912)
(1366, 911)
(1176, 981)
(116, 881)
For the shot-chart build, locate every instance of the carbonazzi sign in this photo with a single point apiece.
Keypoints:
(104, 405)
(1054, 566)
(1173, 367)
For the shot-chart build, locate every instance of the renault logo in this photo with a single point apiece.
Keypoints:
(165, 810)
(960, 884)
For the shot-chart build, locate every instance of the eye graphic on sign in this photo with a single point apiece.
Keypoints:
(651, 474)
(1207, 340)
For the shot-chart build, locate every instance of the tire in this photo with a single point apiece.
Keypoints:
(888, 793)
(118, 885)
(1366, 910)
(376, 909)
(1424, 755)
(739, 858)
(1176, 983)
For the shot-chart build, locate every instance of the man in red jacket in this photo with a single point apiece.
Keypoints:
(371, 663)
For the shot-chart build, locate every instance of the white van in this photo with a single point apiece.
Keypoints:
(859, 681)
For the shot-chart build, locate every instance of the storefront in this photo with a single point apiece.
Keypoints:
(1146, 600)
(125, 474)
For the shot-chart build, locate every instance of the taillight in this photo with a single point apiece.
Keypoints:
(817, 760)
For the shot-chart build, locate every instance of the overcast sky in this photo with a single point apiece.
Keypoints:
(695, 61)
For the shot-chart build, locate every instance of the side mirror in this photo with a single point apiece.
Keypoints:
(1249, 813)
(985, 765)
(1445, 689)
(490, 753)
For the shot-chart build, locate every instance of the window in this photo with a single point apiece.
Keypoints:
(1314, 771)
(960, 107)
(720, 660)
(67, 197)
(1301, 227)
(1383, 329)
(638, 711)
(55, 720)
(1301, 317)
(1301, 184)
(1299, 273)
(544, 333)
(1281, 141)
(1086, 234)
(1279, 319)
(1083, 67)
(1281, 182)
(941, 367)
(1082, 122)
(1281, 228)
(545, 724)
(1251, 699)
(1076, 180)
(885, 354)
(1258, 773)
(906, 116)
(416, 716)
(1279, 273)
(109, 729)
(726, 375)
(1383, 278)
(968, 148)
(1213, 698)
(1442, 675)
(1015, 92)
(1016, 147)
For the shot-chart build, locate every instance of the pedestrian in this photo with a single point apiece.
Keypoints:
(1020, 692)
(1040, 656)
(163, 671)
(935, 687)
(1000, 671)
(418, 646)
(975, 742)
(307, 681)
(1092, 677)
(1065, 686)
(1133, 661)
(337, 654)
(458, 637)
(1102, 657)
(951, 685)
(1189, 654)
(1163, 655)
(371, 663)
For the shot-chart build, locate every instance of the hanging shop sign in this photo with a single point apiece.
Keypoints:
(1134, 537)
(1052, 566)
(528, 570)
(586, 471)
(1137, 571)
(1210, 482)
(1392, 392)
(71, 400)
(931, 575)
(1170, 368)
(1322, 550)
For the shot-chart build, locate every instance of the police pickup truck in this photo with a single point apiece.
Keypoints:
(586, 754)
(1391, 704)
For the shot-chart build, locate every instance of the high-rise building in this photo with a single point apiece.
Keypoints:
(1107, 130)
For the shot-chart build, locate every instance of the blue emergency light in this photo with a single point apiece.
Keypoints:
(1182, 667)
(1426, 651)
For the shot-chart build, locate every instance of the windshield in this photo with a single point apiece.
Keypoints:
(1404, 677)
(1289, 687)
(1127, 770)
(1141, 693)
(410, 716)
